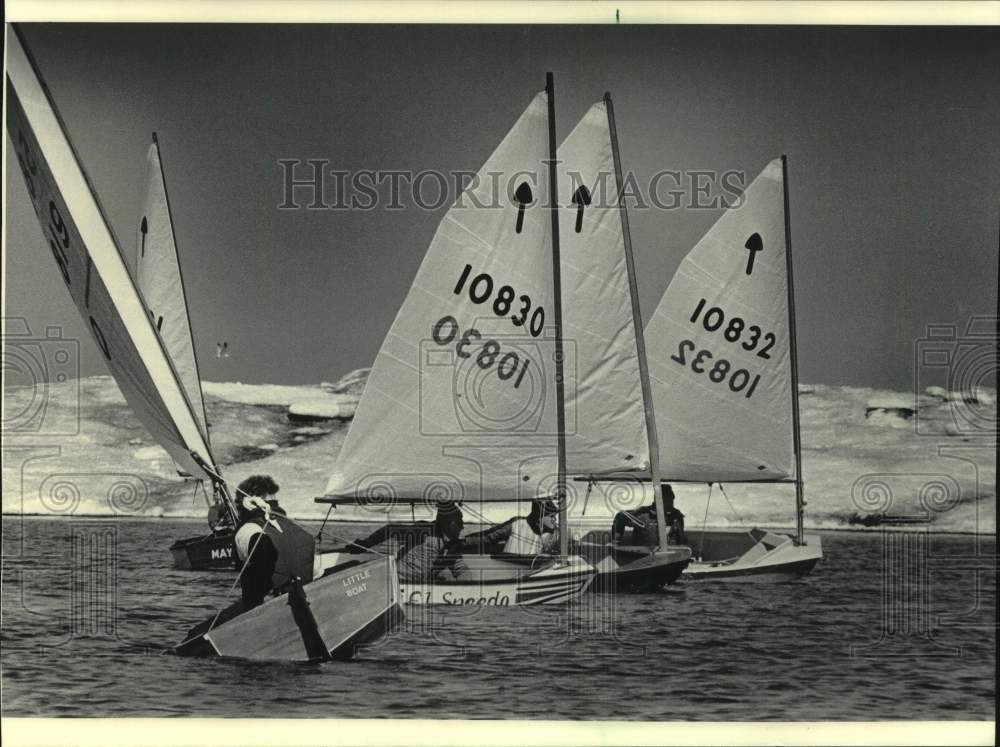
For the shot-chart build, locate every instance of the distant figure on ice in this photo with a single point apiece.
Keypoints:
(439, 556)
(222, 350)
(643, 523)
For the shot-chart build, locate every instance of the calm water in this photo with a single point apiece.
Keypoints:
(76, 643)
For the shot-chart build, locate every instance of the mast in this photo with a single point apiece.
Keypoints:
(640, 341)
(799, 498)
(557, 320)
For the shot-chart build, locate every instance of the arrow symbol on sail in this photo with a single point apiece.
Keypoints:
(754, 245)
(143, 227)
(522, 197)
(581, 198)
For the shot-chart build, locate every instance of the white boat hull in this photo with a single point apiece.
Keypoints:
(494, 581)
(770, 558)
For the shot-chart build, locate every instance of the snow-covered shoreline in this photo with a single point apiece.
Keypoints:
(927, 457)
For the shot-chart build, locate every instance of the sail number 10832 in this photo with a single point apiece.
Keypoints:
(714, 320)
(739, 380)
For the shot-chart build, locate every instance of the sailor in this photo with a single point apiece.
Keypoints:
(535, 534)
(643, 522)
(674, 517)
(219, 520)
(439, 556)
(255, 550)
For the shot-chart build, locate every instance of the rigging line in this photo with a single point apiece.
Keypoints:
(731, 506)
(212, 473)
(483, 520)
(238, 577)
(194, 497)
(229, 593)
(353, 543)
(704, 524)
(204, 492)
(319, 534)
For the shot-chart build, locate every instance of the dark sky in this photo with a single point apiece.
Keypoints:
(892, 135)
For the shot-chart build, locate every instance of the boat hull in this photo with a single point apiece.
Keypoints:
(742, 556)
(642, 570)
(630, 569)
(214, 552)
(493, 580)
(329, 618)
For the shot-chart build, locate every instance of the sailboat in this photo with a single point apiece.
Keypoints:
(321, 616)
(724, 376)
(465, 402)
(161, 284)
(612, 406)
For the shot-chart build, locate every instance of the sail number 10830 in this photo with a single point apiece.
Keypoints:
(509, 365)
(480, 290)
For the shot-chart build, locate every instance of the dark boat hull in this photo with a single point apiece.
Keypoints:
(214, 552)
(627, 569)
(329, 618)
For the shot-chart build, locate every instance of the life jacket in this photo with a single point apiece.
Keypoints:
(243, 537)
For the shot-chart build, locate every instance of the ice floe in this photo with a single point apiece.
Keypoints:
(95, 444)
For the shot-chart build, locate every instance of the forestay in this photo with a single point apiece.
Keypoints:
(158, 273)
(606, 429)
(460, 402)
(92, 265)
(718, 348)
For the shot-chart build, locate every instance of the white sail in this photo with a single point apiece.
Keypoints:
(460, 402)
(606, 429)
(718, 348)
(92, 264)
(158, 273)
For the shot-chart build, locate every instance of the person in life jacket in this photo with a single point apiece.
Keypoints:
(643, 523)
(534, 534)
(255, 502)
(439, 556)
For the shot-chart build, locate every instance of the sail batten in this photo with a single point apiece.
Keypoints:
(92, 265)
(719, 349)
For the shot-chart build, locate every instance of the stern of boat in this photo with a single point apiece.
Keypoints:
(328, 618)
(752, 557)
